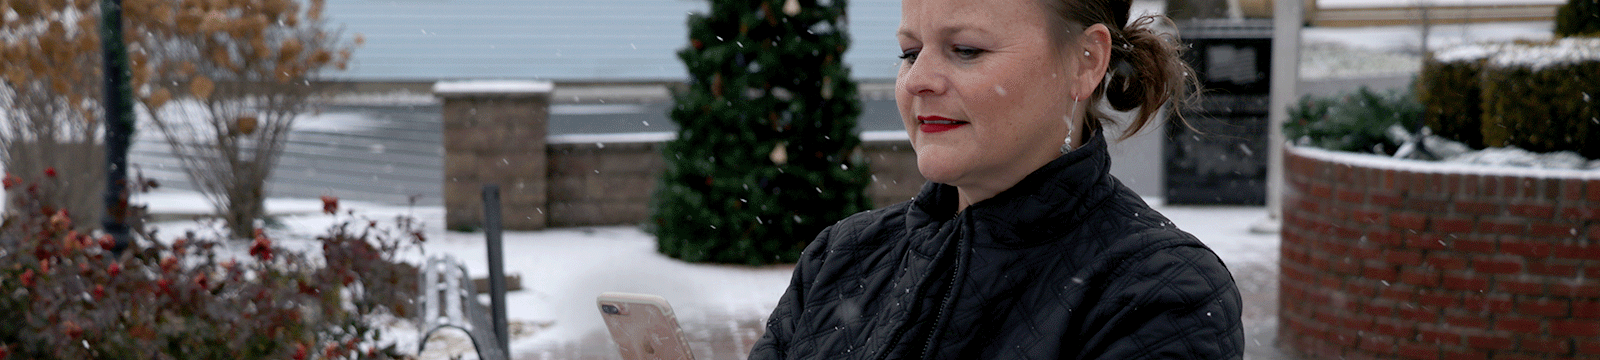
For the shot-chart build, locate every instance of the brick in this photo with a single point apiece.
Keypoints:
(1510, 227)
(1418, 314)
(1465, 283)
(1384, 273)
(1542, 307)
(1399, 293)
(1520, 325)
(1579, 252)
(1320, 191)
(1580, 212)
(1524, 247)
(1593, 188)
(1437, 299)
(1465, 354)
(1467, 321)
(1589, 328)
(1586, 309)
(1477, 208)
(1446, 261)
(1572, 189)
(1553, 230)
(1474, 244)
(1497, 265)
(1546, 345)
(1419, 276)
(1549, 267)
(1453, 225)
(1531, 288)
(1488, 303)
(1409, 221)
(1354, 197)
(1425, 242)
(1366, 217)
(1384, 199)
(1403, 257)
(1437, 336)
(1379, 344)
(1389, 238)
(1579, 290)
(1419, 351)
(1490, 342)
(1536, 211)
(1427, 205)
(1395, 329)
(1589, 347)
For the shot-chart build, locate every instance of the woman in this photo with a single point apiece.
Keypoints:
(1021, 245)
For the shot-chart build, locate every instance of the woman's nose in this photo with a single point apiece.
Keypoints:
(923, 78)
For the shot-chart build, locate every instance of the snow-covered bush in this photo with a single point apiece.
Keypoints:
(1356, 122)
(1537, 96)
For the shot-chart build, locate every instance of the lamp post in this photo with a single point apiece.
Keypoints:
(118, 106)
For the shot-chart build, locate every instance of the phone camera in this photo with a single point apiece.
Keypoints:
(610, 309)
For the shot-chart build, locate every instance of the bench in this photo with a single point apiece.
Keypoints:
(449, 300)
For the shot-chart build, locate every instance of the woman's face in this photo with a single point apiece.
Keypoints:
(983, 91)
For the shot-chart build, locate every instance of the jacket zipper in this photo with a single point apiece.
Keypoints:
(949, 296)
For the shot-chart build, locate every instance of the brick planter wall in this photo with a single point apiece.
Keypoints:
(1388, 259)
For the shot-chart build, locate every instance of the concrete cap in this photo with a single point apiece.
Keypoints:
(492, 88)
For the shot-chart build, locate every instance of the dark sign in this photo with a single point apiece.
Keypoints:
(1220, 157)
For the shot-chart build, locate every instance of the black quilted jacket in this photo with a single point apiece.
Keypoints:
(1067, 264)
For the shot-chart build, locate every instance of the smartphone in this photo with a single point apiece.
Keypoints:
(643, 327)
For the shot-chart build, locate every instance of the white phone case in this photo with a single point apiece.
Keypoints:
(643, 327)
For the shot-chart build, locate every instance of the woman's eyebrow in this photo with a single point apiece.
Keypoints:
(946, 31)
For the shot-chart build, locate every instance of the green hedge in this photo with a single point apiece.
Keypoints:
(1450, 97)
(1578, 18)
(1539, 96)
(1545, 109)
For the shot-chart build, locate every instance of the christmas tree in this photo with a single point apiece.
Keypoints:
(766, 154)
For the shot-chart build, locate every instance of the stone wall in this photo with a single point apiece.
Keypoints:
(494, 133)
(1386, 259)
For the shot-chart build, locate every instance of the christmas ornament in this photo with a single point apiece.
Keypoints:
(791, 7)
(780, 153)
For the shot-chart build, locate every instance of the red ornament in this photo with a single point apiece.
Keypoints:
(50, 171)
(11, 180)
(114, 269)
(27, 278)
(698, 45)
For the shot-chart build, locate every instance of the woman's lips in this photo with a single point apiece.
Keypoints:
(934, 124)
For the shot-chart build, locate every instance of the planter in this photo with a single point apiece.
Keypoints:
(1385, 258)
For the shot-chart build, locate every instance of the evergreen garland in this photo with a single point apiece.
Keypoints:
(766, 154)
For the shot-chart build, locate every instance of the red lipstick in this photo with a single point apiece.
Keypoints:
(934, 124)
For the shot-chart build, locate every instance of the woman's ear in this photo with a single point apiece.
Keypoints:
(1093, 51)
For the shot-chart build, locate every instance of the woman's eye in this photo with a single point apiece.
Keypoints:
(967, 52)
(910, 56)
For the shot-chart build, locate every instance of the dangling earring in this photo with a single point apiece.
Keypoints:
(1066, 145)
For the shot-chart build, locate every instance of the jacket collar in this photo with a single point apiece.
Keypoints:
(1048, 202)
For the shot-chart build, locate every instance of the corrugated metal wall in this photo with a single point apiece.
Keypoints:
(561, 40)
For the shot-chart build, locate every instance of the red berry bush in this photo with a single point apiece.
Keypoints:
(65, 295)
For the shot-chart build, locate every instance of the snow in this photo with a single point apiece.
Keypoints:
(562, 270)
(1565, 51)
(492, 87)
(1356, 4)
(1388, 163)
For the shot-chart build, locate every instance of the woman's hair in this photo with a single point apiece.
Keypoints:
(1145, 70)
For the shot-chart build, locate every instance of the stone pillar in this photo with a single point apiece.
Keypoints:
(494, 133)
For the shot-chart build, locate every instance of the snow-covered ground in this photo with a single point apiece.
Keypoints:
(562, 270)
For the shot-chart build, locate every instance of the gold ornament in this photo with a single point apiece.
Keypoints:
(780, 153)
(791, 7)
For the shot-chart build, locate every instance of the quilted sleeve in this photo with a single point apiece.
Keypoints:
(774, 344)
(1176, 303)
